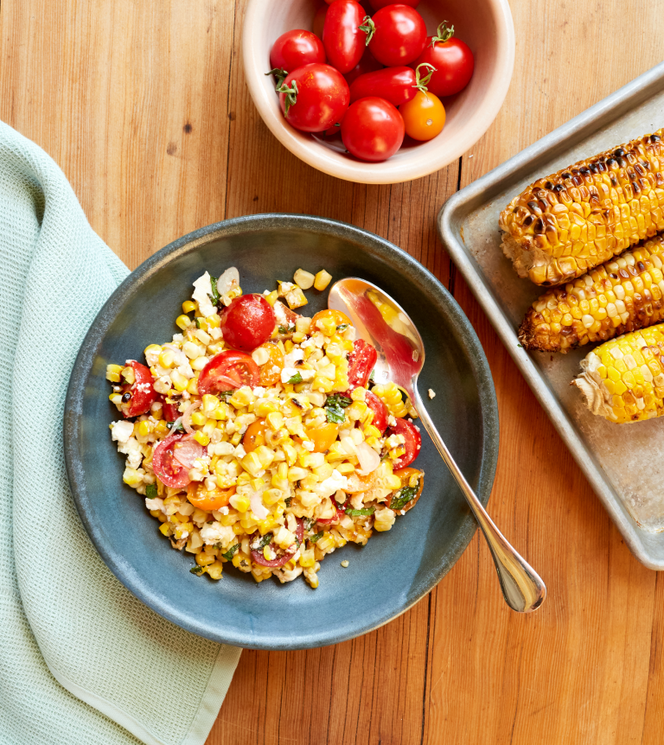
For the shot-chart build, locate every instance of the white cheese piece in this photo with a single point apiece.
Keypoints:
(121, 431)
(330, 485)
(202, 292)
(217, 533)
(432, 393)
(155, 504)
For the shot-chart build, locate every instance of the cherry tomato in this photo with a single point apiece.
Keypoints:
(343, 38)
(405, 475)
(248, 322)
(395, 84)
(286, 319)
(282, 556)
(337, 316)
(378, 4)
(201, 497)
(368, 63)
(254, 435)
(295, 49)
(323, 437)
(227, 371)
(423, 116)
(453, 60)
(314, 97)
(338, 517)
(413, 443)
(270, 372)
(379, 409)
(169, 410)
(360, 363)
(139, 396)
(319, 22)
(372, 129)
(398, 36)
(173, 457)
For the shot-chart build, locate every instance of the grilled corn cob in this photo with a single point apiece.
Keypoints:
(624, 294)
(565, 224)
(623, 379)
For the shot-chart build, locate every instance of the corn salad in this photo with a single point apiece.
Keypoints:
(279, 461)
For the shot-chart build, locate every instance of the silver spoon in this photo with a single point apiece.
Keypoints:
(400, 359)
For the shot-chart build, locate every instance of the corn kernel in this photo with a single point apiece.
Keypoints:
(189, 306)
(201, 438)
(322, 280)
(241, 503)
(113, 373)
(183, 322)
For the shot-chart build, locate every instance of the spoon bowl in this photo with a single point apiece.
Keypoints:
(381, 321)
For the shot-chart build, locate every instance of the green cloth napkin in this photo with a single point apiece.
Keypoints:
(81, 659)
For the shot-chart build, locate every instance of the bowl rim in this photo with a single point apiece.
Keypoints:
(390, 171)
(105, 318)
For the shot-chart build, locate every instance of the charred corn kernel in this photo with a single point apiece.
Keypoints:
(553, 231)
(251, 463)
(161, 428)
(345, 469)
(192, 386)
(303, 279)
(290, 452)
(179, 381)
(322, 280)
(339, 540)
(238, 559)
(215, 570)
(203, 559)
(113, 373)
(132, 477)
(183, 322)
(198, 418)
(296, 298)
(241, 503)
(384, 519)
(189, 306)
(201, 438)
(623, 379)
(266, 407)
(390, 395)
(613, 306)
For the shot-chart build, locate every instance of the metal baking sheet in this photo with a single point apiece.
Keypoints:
(622, 462)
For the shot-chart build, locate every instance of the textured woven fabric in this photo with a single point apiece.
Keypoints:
(67, 626)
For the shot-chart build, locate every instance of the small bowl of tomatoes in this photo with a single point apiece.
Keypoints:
(378, 92)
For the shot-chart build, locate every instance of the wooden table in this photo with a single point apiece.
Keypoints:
(144, 106)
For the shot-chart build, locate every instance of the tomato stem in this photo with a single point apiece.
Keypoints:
(291, 94)
(369, 28)
(279, 73)
(422, 82)
(443, 34)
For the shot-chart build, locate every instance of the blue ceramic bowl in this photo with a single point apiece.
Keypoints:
(395, 569)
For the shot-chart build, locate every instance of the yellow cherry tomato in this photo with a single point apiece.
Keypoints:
(206, 500)
(323, 437)
(423, 116)
(337, 316)
(254, 436)
(270, 372)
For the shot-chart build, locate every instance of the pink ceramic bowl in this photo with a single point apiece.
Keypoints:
(485, 25)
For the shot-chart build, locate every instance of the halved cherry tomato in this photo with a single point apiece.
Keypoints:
(405, 475)
(314, 97)
(423, 116)
(296, 48)
(170, 411)
(139, 396)
(247, 322)
(270, 372)
(206, 500)
(337, 316)
(453, 60)
(323, 437)
(286, 318)
(379, 409)
(368, 63)
(372, 129)
(360, 363)
(228, 371)
(413, 442)
(254, 435)
(338, 517)
(282, 556)
(343, 38)
(398, 36)
(173, 458)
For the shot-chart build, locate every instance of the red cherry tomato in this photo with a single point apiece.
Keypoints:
(368, 63)
(413, 442)
(360, 363)
(395, 84)
(319, 22)
(314, 97)
(140, 394)
(282, 556)
(372, 129)
(379, 409)
(338, 517)
(423, 116)
(227, 371)
(169, 410)
(295, 49)
(247, 322)
(398, 36)
(173, 458)
(378, 4)
(453, 60)
(343, 38)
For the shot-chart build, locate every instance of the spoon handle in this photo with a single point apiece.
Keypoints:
(522, 587)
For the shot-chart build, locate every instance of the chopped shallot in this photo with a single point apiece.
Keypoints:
(257, 506)
(186, 416)
(368, 458)
(228, 281)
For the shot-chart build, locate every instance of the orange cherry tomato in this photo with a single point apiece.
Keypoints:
(336, 315)
(323, 437)
(270, 372)
(206, 500)
(423, 116)
(405, 475)
(254, 436)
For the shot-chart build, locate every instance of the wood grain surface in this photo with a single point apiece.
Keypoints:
(143, 104)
